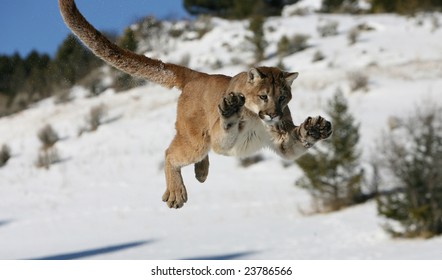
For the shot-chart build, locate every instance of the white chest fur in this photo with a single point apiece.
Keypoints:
(251, 138)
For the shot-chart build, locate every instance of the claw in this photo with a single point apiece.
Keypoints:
(231, 104)
(317, 128)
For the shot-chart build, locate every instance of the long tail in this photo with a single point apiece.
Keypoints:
(166, 74)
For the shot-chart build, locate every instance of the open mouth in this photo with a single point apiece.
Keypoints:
(268, 119)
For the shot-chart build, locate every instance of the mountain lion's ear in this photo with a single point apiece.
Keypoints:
(254, 75)
(290, 77)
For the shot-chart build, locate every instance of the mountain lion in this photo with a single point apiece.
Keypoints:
(234, 116)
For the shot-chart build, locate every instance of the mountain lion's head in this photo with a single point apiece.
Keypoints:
(267, 92)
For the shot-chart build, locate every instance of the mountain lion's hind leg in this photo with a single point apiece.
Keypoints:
(175, 195)
(202, 169)
(183, 151)
(177, 156)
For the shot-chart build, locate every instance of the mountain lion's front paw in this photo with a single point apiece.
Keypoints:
(231, 104)
(315, 129)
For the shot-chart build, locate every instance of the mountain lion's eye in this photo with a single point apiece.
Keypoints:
(263, 97)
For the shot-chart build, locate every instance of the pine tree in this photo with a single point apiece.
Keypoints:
(332, 172)
(124, 81)
(283, 46)
(37, 81)
(6, 71)
(217, 7)
(19, 73)
(258, 41)
(236, 9)
(23, 80)
(412, 156)
(72, 62)
(405, 6)
(332, 6)
(127, 40)
(245, 8)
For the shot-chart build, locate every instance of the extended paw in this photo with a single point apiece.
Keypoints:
(231, 104)
(315, 129)
(175, 198)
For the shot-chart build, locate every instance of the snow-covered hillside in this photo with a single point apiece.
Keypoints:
(103, 200)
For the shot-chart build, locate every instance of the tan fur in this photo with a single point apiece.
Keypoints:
(234, 116)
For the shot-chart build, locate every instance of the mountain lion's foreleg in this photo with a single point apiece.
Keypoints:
(226, 130)
(292, 141)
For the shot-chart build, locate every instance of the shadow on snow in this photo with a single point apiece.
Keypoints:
(4, 222)
(232, 256)
(95, 251)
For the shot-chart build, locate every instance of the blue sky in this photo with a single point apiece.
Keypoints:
(36, 24)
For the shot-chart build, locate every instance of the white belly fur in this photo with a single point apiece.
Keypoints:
(252, 138)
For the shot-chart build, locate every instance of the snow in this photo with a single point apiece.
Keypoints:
(310, 6)
(103, 200)
(307, 6)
